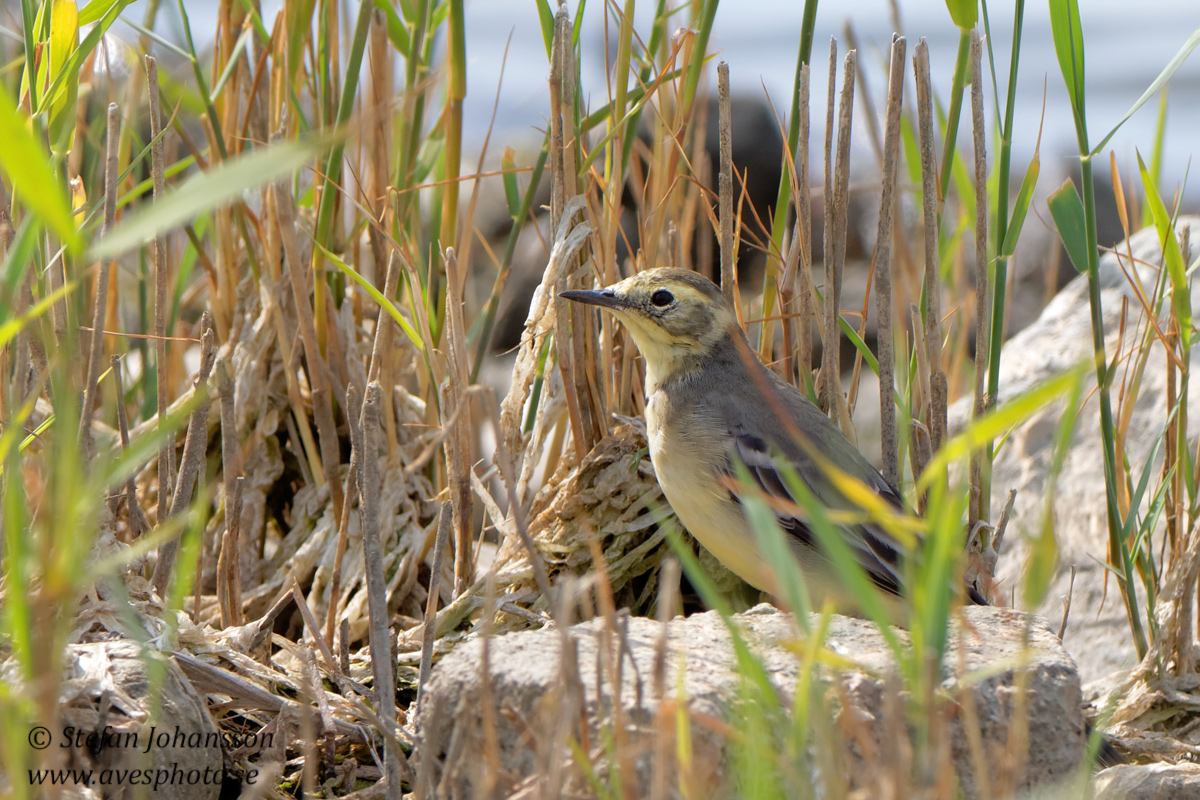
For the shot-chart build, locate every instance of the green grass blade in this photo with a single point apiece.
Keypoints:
(996, 422)
(384, 303)
(27, 163)
(1021, 208)
(205, 191)
(1067, 31)
(1176, 61)
(1070, 218)
(1181, 295)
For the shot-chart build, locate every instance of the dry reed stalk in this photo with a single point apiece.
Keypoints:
(884, 300)
(568, 240)
(166, 450)
(609, 661)
(668, 581)
(353, 408)
(505, 461)
(787, 302)
(725, 185)
(378, 366)
(378, 137)
(194, 446)
(804, 223)
(314, 628)
(100, 299)
(570, 722)
(456, 420)
(562, 182)
(930, 202)
(445, 523)
(828, 309)
(137, 521)
(971, 726)
(487, 708)
(830, 337)
(228, 583)
(317, 367)
(979, 506)
(381, 636)
(835, 257)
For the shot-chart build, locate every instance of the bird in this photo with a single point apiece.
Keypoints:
(716, 414)
(711, 407)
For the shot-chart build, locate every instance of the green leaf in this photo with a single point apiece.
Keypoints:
(74, 62)
(965, 13)
(27, 163)
(546, 18)
(205, 191)
(512, 195)
(1181, 297)
(1180, 56)
(1024, 200)
(1067, 210)
(96, 9)
(1068, 46)
(377, 296)
(235, 58)
(64, 37)
(996, 422)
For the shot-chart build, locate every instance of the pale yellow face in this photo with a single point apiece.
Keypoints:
(672, 314)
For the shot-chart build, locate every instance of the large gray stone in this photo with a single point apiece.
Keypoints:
(129, 725)
(1148, 782)
(533, 697)
(1098, 632)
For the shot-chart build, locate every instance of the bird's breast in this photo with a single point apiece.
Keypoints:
(687, 456)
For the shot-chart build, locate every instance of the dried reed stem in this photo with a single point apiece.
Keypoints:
(229, 588)
(381, 636)
(829, 342)
(166, 450)
(194, 447)
(563, 188)
(445, 518)
(835, 254)
(378, 135)
(979, 507)
(456, 421)
(100, 301)
(929, 183)
(353, 409)
(804, 228)
(668, 592)
(725, 184)
(889, 447)
(318, 369)
(137, 521)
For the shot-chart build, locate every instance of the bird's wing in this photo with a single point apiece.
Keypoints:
(875, 550)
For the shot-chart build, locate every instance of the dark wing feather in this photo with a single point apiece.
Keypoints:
(875, 550)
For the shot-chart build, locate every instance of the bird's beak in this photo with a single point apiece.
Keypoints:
(605, 298)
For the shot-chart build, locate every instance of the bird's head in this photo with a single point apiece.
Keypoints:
(675, 316)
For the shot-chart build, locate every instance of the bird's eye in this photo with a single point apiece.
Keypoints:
(662, 298)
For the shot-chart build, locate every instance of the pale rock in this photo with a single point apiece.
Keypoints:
(1098, 634)
(533, 696)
